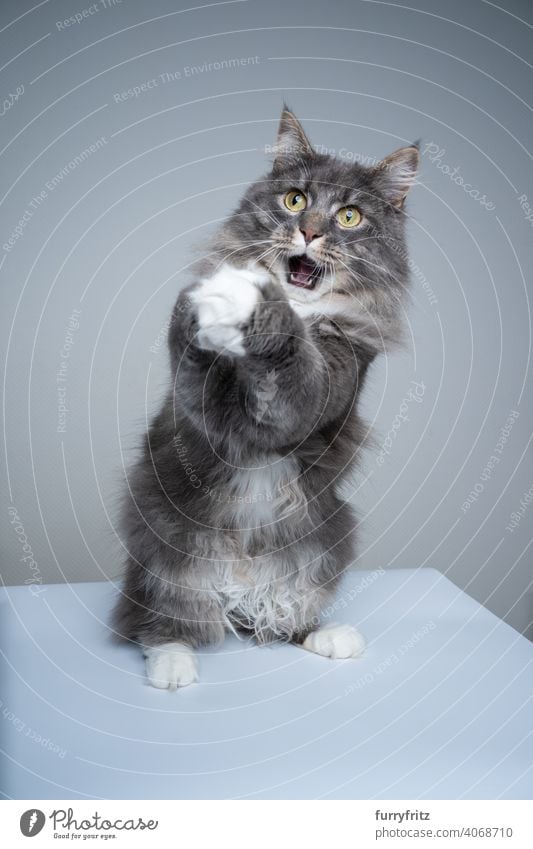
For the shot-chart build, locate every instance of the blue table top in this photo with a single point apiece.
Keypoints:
(438, 707)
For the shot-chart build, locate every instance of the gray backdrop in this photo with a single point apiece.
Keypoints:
(131, 128)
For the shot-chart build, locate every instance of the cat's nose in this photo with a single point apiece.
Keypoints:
(310, 234)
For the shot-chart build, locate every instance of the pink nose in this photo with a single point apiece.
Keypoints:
(309, 235)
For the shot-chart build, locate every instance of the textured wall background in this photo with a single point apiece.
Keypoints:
(131, 128)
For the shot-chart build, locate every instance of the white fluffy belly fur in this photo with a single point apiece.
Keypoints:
(255, 593)
(267, 590)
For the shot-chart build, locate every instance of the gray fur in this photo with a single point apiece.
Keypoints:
(208, 549)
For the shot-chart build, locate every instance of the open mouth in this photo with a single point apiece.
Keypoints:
(303, 272)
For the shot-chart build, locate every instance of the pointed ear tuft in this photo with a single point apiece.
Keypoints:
(292, 142)
(397, 173)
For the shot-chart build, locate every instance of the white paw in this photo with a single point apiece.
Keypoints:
(170, 665)
(225, 303)
(336, 642)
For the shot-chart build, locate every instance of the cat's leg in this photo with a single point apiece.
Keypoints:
(336, 641)
(231, 335)
(168, 648)
(234, 333)
(168, 620)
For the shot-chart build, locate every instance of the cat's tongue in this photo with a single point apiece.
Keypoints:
(302, 272)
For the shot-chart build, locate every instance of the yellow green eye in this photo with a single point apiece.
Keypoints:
(349, 216)
(295, 201)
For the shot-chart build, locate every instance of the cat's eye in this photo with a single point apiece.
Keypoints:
(349, 216)
(295, 200)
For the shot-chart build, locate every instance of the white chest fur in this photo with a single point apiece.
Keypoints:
(267, 493)
(261, 589)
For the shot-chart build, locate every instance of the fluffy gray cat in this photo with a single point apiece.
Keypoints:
(232, 519)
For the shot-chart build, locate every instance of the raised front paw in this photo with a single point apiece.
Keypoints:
(336, 642)
(225, 303)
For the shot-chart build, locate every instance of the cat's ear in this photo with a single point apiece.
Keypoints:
(292, 142)
(397, 173)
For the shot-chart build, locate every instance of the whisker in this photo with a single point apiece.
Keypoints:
(271, 216)
(240, 247)
(387, 273)
(360, 280)
(276, 257)
(265, 253)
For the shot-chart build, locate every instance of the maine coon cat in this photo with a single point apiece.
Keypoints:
(232, 519)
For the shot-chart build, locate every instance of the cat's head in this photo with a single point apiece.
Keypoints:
(325, 226)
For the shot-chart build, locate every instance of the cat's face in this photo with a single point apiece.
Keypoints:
(324, 226)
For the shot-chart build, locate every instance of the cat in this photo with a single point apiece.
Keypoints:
(232, 520)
